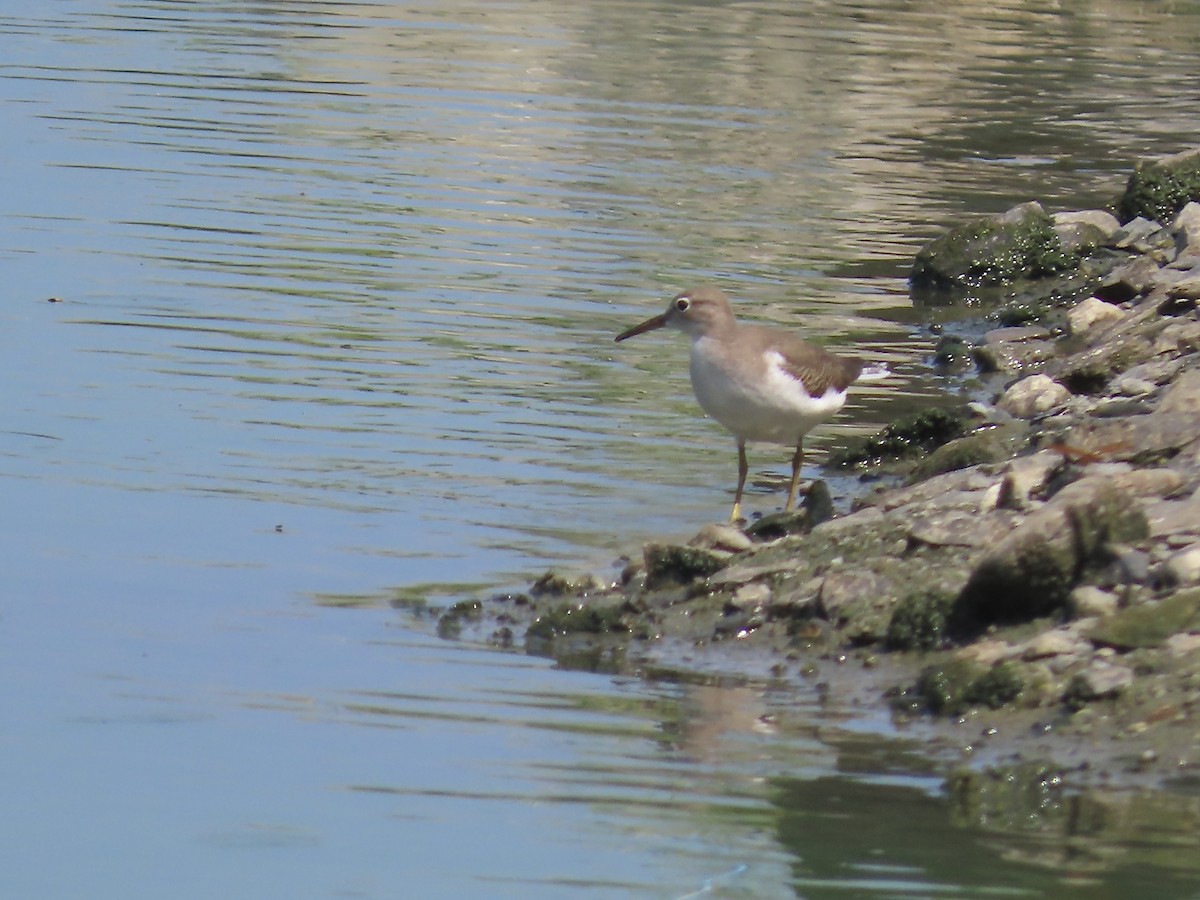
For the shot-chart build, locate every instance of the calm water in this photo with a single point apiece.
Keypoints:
(338, 288)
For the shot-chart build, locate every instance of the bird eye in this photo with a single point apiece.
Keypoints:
(682, 303)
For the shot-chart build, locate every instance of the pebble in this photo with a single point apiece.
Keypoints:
(1032, 395)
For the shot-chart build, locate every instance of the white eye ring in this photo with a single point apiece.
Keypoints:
(682, 303)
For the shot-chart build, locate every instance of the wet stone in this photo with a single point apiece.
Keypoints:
(679, 564)
(720, 536)
(1033, 395)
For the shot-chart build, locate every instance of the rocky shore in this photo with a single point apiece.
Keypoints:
(1031, 592)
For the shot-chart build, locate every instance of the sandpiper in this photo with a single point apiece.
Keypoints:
(762, 384)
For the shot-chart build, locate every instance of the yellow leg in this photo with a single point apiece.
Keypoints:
(797, 462)
(743, 468)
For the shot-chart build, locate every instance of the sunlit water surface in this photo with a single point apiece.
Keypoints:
(337, 288)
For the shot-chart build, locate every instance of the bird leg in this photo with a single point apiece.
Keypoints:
(797, 461)
(743, 468)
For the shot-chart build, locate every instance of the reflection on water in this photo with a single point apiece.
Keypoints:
(339, 288)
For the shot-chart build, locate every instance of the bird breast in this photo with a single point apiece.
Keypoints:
(755, 397)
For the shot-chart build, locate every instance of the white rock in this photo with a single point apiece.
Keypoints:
(1183, 567)
(1033, 395)
(1088, 601)
(1093, 313)
(1058, 642)
(754, 594)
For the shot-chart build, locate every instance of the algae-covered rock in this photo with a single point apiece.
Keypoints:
(450, 623)
(909, 436)
(680, 564)
(990, 250)
(1150, 624)
(919, 621)
(1160, 188)
(986, 446)
(558, 584)
(816, 508)
(953, 686)
(1031, 572)
(570, 618)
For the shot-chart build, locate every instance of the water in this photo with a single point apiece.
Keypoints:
(337, 288)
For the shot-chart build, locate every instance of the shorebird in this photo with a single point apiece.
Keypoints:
(762, 384)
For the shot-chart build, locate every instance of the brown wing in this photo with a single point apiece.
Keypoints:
(817, 368)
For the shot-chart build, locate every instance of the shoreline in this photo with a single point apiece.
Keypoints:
(1031, 594)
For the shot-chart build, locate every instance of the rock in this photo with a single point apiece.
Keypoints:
(1017, 334)
(1087, 601)
(1149, 624)
(1183, 396)
(1128, 280)
(1013, 356)
(1182, 336)
(1143, 236)
(860, 599)
(918, 621)
(1187, 228)
(1082, 232)
(817, 507)
(1099, 681)
(1186, 288)
(1183, 644)
(1033, 395)
(988, 250)
(909, 436)
(1091, 314)
(1101, 220)
(952, 355)
(984, 446)
(1160, 188)
(1031, 572)
(678, 564)
(954, 528)
(1026, 477)
(1058, 642)
(1131, 386)
(1169, 518)
(1147, 438)
(557, 584)
(751, 595)
(1182, 567)
(720, 536)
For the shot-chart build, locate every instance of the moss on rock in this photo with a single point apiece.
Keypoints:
(919, 621)
(990, 250)
(1158, 189)
(909, 436)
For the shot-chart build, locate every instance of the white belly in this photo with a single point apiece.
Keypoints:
(758, 403)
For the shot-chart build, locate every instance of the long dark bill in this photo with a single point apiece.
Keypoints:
(649, 325)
